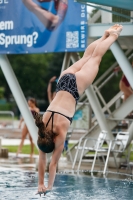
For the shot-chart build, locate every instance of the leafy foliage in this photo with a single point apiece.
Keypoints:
(33, 72)
(25, 150)
(2, 89)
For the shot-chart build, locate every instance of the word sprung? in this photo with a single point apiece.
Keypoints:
(8, 39)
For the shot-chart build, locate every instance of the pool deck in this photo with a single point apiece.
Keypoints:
(25, 162)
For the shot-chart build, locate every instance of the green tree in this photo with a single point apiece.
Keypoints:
(2, 89)
(33, 72)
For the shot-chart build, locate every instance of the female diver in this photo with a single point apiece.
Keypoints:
(53, 126)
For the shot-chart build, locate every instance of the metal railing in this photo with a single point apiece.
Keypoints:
(103, 80)
(10, 119)
(100, 83)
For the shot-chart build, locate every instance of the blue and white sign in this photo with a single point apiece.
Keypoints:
(42, 26)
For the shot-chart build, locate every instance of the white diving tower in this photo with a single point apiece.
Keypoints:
(124, 42)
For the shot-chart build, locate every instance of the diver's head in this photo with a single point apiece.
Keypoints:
(46, 137)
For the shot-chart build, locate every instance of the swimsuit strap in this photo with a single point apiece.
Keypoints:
(51, 117)
(69, 118)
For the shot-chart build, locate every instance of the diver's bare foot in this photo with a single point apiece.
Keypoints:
(107, 32)
(115, 30)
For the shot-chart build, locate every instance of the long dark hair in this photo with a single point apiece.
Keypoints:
(45, 136)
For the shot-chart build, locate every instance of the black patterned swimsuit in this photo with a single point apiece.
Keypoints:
(68, 83)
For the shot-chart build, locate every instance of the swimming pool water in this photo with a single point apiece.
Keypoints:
(22, 185)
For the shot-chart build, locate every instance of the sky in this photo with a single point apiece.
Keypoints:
(89, 9)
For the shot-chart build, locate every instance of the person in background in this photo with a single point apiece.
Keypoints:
(51, 89)
(125, 87)
(124, 84)
(33, 107)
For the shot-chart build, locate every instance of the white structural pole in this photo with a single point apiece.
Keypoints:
(123, 62)
(66, 61)
(18, 95)
(106, 17)
(130, 130)
(131, 16)
(96, 107)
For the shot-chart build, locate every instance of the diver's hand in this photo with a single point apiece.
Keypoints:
(43, 192)
(41, 189)
(47, 190)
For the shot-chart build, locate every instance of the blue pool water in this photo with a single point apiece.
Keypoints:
(22, 185)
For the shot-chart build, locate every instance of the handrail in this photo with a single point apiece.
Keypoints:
(106, 80)
(103, 82)
(111, 68)
(9, 113)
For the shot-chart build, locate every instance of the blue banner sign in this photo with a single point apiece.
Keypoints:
(42, 26)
